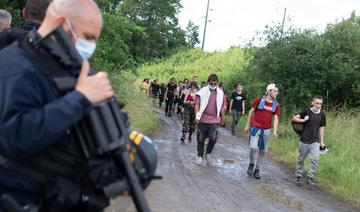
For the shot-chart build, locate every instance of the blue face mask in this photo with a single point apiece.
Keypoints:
(85, 48)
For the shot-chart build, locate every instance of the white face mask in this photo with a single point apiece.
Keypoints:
(315, 110)
(85, 48)
(212, 87)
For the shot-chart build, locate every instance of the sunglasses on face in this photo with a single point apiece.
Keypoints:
(213, 83)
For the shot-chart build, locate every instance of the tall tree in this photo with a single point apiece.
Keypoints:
(110, 6)
(192, 34)
(159, 18)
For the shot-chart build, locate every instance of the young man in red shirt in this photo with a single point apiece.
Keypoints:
(261, 113)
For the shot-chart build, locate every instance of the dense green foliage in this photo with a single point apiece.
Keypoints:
(134, 31)
(160, 23)
(137, 104)
(14, 7)
(304, 63)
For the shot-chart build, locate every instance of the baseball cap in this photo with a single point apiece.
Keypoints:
(271, 87)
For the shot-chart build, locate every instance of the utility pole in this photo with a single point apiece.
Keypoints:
(282, 25)
(206, 20)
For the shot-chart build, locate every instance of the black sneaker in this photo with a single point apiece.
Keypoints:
(182, 139)
(250, 170)
(257, 174)
(233, 131)
(298, 181)
(310, 182)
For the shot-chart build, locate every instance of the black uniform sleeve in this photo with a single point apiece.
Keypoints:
(30, 121)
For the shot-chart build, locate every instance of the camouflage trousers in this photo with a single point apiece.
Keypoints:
(189, 119)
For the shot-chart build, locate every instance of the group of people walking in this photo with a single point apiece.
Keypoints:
(203, 107)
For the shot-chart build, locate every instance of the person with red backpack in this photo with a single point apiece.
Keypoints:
(260, 119)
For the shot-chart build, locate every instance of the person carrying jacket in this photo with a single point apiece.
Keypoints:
(260, 119)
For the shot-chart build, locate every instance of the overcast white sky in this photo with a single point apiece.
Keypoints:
(233, 22)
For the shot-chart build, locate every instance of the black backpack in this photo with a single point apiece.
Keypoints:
(297, 126)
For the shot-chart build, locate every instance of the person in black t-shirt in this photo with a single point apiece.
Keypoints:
(311, 139)
(237, 106)
(162, 94)
(169, 96)
(154, 90)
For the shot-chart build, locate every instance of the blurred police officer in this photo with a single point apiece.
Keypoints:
(33, 13)
(5, 20)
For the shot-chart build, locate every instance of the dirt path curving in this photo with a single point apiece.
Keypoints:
(223, 186)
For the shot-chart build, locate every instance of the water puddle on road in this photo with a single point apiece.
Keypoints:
(280, 197)
(225, 161)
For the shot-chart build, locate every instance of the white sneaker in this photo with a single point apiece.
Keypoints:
(208, 159)
(199, 161)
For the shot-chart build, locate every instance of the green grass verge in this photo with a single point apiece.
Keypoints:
(137, 104)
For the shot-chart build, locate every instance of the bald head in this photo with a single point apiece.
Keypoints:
(83, 17)
(75, 10)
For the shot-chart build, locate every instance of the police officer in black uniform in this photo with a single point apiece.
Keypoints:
(32, 118)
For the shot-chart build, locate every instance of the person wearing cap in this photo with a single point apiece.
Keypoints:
(311, 139)
(260, 117)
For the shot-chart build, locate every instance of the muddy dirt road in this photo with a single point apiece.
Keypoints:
(224, 185)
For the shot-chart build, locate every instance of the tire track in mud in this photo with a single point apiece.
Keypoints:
(223, 186)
